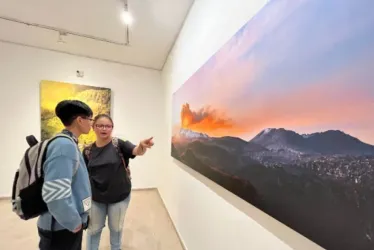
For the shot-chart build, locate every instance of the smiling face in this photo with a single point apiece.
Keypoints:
(103, 127)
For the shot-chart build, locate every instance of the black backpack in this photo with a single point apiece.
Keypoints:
(27, 200)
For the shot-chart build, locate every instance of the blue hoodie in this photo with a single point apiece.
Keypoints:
(66, 190)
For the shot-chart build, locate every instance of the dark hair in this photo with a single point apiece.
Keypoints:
(102, 116)
(69, 110)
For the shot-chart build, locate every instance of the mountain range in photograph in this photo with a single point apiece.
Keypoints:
(319, 184)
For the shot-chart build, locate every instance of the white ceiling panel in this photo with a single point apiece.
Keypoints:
(152, 34)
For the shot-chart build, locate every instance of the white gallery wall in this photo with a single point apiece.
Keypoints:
(137, 104)
(205, 215)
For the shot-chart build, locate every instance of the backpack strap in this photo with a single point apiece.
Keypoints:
(115, 142)
(87, 151)
(116, 145)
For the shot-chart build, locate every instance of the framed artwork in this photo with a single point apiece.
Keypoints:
(51, 93)
(281, 116)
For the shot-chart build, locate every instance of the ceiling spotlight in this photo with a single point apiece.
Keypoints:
(127, 20)
(127, 17)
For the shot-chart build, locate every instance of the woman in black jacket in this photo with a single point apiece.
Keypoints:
(107, 161)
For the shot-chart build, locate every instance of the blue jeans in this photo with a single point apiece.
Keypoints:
(116, 215)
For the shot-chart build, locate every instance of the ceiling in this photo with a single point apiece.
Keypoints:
(152, 34)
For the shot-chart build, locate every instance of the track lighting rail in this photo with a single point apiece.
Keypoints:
(67, 32)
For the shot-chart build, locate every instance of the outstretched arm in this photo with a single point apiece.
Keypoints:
(131, 151)
(139, 150)
(143, 146)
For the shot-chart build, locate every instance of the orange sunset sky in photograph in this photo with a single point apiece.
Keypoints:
(285, 72)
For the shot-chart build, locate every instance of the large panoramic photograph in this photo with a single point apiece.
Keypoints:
(282, 116)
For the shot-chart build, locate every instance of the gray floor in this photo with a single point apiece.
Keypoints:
(147, 227)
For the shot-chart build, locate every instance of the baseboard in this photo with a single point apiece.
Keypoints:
(172, 222)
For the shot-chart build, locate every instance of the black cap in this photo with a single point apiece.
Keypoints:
(68, 110)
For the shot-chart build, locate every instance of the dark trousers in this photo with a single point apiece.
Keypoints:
(60, 240)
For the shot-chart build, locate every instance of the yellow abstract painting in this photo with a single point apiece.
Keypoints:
(51, 93)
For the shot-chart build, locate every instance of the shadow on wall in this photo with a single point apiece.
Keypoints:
(282, 232)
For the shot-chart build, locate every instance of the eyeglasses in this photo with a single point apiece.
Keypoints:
(102, 126)
(84, 118)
